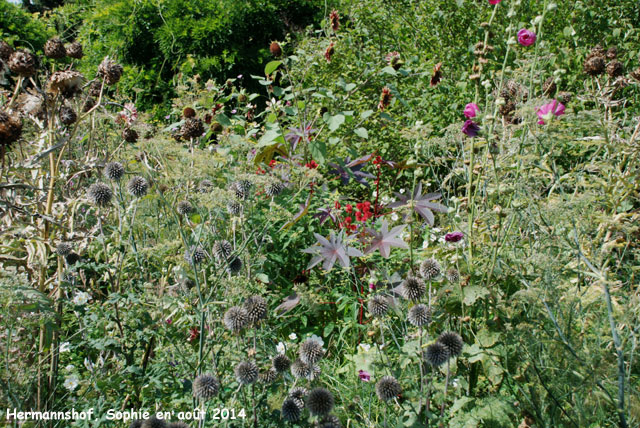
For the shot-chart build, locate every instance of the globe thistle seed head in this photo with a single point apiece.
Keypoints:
(594, 65)
(268, 375)
(185, 208)
(10, 128)
(100, 194)
(436, 354)
(136, 424)
(281, 363)
(274, 189)
(188, 112)
(314, 372)
(320, 401)
(129, 135)
(154, 422)
(419, 315)
(137, 186)
(388, 388)
(300, 369)
(246, 372)
(110, 71)
(195, 254)
(275, 49)
(192, 128)
(330, 421)
(222, 249)
(205, 186)
(72, 259)
(67, 115)
(206, 386)
(178, 425)
(452, 275)
(615, 69)
(311, 351)
(114, 171)
(292, 409)
(5, 50)
(63, 249)
(430, 269)
(234, 208)
(378, 305)
(23, 63)
(241, 189)
(234, 265)
(256, 308)
(298, 392)
(235, 319)
(452, 341)
(54, 48)
(413, 288)
(74, 50)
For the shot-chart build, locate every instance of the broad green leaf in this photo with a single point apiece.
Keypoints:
(362, 133)
(473, 293)
(318, 150)
(335, 122)
(271, 67)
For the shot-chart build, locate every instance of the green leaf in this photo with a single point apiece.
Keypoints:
(223, 120)
(271, 67)
(362, 133)
(473, 293)
(335, 122)
(389, 70)
(263, 278)
(318, 150)
(365, 114)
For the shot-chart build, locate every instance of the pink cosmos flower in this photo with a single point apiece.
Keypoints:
(547, 111)
(526, 37)
(364, 375)
(470, 110)
(494, 1)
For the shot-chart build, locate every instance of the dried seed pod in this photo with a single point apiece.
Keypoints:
(54, 48)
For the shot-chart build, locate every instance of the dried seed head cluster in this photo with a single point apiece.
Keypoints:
(129, 135)
(274, 188)
(236, 318)
(222, 249)
(268, 375)
(195, 254)
(413, 288)
(311, 351)
(436, 354)
(63, 249)
(241, 189)
(246, 372)
(234, 208)
(5, 50)
(452, 341)
(234, 265)
(192, 128)
(595, 63)
(452, 275)
(114, 171)
(100, 194)
(110, 71)
(10, 128)
(137, 186)
(185, 208)
(67, 83)
(378, 305)
(388, 388)
(205, 387)
(330, 421)
(23, 63)
(300, 369)
(320, 401)
(419, 315)
(292, 409)
(67, 115)
(54, 48)
(256, 308)
(74, 50)
(430, 269)
(281, 363)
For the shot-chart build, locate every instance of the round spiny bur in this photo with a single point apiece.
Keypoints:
(5, 50)
(136, 424)
(195, 254)
(222, 249)
(100, 194)
(246, 372)
(292, 409)
(452, 275)
(10, 128)
(311, 351)
(137, 186)
(413, 288)
(188, 112)
(205, 186)
(234, 265)
(234, 207)
(63, 249)
(241, 189)
(298, 392)
(430, 269)
(436, 354)
(22, 63)
(192, 128)
(206, 386)
(114, 171)
(378, 305)
(54, 48)
(300, 370)
(419, 315)
(615, 69)
(110, 71)
(67, 115)
(185, 208)
(281, 363)
(388, 388)
(235, 319)
(256, 308)
(129, 135)
(274, 188)
(268, 375)
(72, 258)
(594, 65)
(314, 372)
(154, 422)
(216, 128)
(178, 425)
(452, 341)
(320, 401)
(330, 421)
(74, 50)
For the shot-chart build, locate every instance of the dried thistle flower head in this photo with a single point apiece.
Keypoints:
(195, 254)
(615, 69)
(222, 249)
(110, 71)
(292, 409)
(274, 188)
(74, 50)
(330, 421)
(281, 363)
(298, 392)
(206, 386)
(268, 375)
(256, 308)
(67, 115)
(419, 315)
(436, 354)
(300, 369)
(452, 275)
(378, 305)
(137, 186)
(246, 372)
(185, 208)
(234, 265)
(234, 208)
(5, 50)
(413, 288)
(594, 65)
(63, 249)
(114, 171)
(236, 318)
(430, 269)
(54, 48)
(205, 186)
(23, 63)
(192, 128)
(388, 388)
(188, 112)
(311, 351)
(100, 194)
(241, 188)
(129, 135)
(320, 401)
(10, 129)
(67, 83)
(452, 341)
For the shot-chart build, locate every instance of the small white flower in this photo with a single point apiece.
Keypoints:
(385, 199)
(394, 217)
(365, 347)
(293, 336)
(280, 348)
(81, 298)
(70, 367)
(401, 190)
(425, 244)
(455, 383)
(317, 339)
(65, 347)
(71, 382)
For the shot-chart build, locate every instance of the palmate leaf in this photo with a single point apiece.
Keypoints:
(385, 239)
(421, 203)
(330, 250)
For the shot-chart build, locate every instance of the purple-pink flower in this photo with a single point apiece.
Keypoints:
(547, 111)
(494, 1)
(526, 37)
(364, 375)
(470, 128)
(454, 237)
(470, 110)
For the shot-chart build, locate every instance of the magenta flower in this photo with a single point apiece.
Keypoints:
(470, 110)
(454, 237)
(470, 128)
(526, 37)
(364, 375)
(494, 1)
(372, 286)
(547, 111)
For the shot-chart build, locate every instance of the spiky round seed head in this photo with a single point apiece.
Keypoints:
(419, 315)
(74, 50)
(311, 351)
(54, 48)
(436, 354)
(246, 372)
(320, 401)
(129, 135)
(274, 188)
(612, 52)
(192, 128)
(67, 83)
(298, 392)
(188, 112)
(10, 128)
(292, 409)
(195, 254)
(430, 269)
(234, 207)
(549, 86)
(300, 369)
(23, 63)
(100, 194)
(136, 424)
(185, 208)
(235, 319)
(205, 186)
(178, 425)
(242, 189)
(330, 421)
(72, 259)
(67, 115)
(615, 69)
(275, 49)
(378, 305)
(413, 288)
(268, 375)
(222, 249)
(206, 386)
(154, 422)
(234, 265)
(281, 363)
(452, 275)
(452, 341)
(507, 108)
(256, 308)
(314, 373)
(114, 171)
(5, 50)
(110, 71)
(216, 128)
(63, 249)
(388, 388)
(137, 186)
(594, 65)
